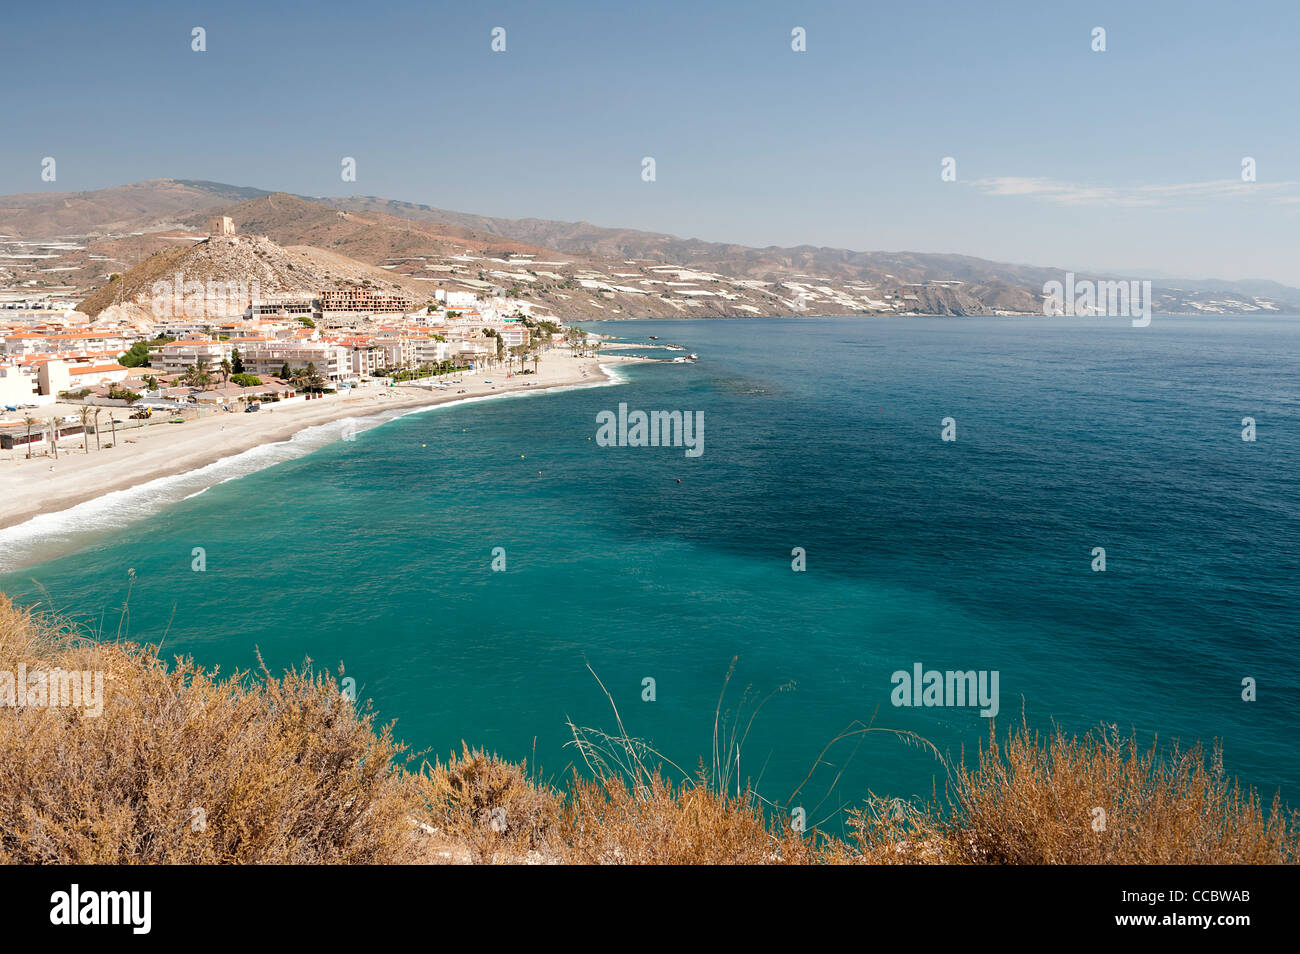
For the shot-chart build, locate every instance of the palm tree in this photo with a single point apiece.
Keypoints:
(227, 369)
(98, 411)
(54, 436)
(312, 379)
(85, 430)
(30, 422)
(113, 421)
(537, 359)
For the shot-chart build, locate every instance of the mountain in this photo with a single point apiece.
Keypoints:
(986, 286)
(367, 236)
(74, 243)
(116, 210)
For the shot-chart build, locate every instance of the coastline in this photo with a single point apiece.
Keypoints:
(43, 486)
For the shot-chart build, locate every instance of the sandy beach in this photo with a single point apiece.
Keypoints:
(41, 485)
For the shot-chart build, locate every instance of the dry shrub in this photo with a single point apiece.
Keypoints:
(887, 831)
(184, 767)
(609, 822)
(1034, 800)
(489, 806)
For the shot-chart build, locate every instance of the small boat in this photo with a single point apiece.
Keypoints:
(693, 357)
(654, 337)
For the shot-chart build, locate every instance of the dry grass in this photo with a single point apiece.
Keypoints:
(185, 766)
(490, 808)
(1105, 799)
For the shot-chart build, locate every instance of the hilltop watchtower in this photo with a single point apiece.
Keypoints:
(221, 225)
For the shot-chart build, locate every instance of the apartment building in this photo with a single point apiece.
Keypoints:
(180, 327)
(513, 333)
(290, 305)
(399, 349)
(366, 300)
(431, 351)
(100, 341)
(333, 361)
(174, 358)
(367, 359)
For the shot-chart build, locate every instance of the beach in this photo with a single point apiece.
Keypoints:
(44, 485)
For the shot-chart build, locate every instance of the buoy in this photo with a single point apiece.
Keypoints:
(679, 480)
(424, 445)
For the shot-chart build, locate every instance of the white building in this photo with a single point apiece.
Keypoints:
(268, 357)
(431, 351)
(174, 358)
(19, 385)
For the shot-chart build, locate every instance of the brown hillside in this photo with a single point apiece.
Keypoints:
(250, 259)
(135, 207)
(366, 236)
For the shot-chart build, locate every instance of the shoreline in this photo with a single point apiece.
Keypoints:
(42, 486)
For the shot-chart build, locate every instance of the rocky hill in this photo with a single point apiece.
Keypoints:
(262, 265)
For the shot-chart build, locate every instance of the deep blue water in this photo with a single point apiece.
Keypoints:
(819, 433)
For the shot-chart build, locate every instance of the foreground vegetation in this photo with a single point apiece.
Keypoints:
(187, 766)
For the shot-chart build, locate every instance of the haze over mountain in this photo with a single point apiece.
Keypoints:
(569, 269)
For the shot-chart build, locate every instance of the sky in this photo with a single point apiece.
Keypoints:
(1127, 160)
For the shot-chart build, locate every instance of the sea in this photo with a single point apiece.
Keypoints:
(1100, 520)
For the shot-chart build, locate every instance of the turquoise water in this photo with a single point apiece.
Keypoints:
(819, 433)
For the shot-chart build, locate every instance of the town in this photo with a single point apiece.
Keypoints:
(224, 347)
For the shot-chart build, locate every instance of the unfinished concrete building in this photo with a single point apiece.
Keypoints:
(366, 300)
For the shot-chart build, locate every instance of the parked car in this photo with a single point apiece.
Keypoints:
(253, 406)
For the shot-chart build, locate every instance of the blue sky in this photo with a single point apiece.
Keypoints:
(1127, 160)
